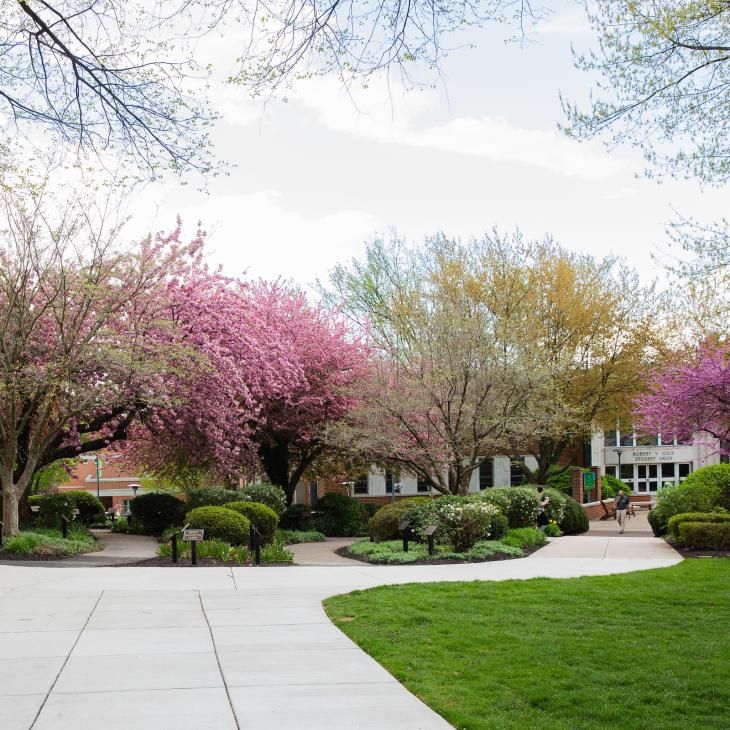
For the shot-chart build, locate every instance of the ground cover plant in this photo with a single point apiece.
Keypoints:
(223, 552)
(50, 543)
(540, 653)
(294, 537)
(390, 552)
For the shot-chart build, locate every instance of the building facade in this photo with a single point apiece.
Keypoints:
(114, 486)
(648, 463)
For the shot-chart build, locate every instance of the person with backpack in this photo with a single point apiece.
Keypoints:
(622, 505)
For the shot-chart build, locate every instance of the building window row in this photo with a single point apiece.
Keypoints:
(649, 478)
(617, 438)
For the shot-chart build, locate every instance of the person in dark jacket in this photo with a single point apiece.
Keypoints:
(622, 505)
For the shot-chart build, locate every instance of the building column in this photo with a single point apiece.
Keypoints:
(576, 483)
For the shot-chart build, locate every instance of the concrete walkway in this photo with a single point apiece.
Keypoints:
(118, 549)
(216, 648)
(322, 553)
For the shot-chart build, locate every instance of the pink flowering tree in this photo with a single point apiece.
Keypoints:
(83, 340)
(690, 395)
(275, 374)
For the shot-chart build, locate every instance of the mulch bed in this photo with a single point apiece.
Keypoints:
(345, 553)
(202, 563)
(695, 553)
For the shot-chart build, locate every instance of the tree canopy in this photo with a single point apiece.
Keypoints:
(496, 346)
(664, 82)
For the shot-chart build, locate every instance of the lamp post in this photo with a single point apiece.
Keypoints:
(395, 490)
(135, 487)
(98, 476)
(618, 455)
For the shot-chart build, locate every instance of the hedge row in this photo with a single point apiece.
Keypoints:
(678, 520)
(705, 535)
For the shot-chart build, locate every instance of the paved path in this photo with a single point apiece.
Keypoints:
(118, 549)
(322, 553)
(215, 648)
(637, 526)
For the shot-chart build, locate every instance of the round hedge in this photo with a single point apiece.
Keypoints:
(715, 479)
(383, 525)
(263, 518)
(265, 493)
(89, 506)
(575, 518)
(156, 511)
(340, 516)
(220, 522)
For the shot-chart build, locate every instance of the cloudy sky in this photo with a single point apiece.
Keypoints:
(312, 179)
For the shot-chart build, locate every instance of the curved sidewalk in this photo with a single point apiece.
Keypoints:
(217, 648)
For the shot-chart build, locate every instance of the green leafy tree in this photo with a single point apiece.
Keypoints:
(664, 83)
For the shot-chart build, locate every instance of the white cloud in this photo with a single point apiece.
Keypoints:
(260, 235)
(619, 194)
(394, 117)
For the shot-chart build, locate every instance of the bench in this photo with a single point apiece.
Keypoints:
(609, 511)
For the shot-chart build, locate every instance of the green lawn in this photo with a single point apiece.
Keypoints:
(645, 650)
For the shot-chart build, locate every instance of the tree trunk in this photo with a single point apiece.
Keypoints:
(275, 459)
(10, 511)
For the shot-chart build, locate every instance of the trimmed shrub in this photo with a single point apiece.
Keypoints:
(53, 507)
(265, 493)
(523, 537)
(341, 516)
(677, 520)
(211, 497)
(715, 480)
(705, 535)
(575, 518)
(383, 525)
(695, 496)
(263, 518)
(220, 522)
(89, 506)
(156, 511)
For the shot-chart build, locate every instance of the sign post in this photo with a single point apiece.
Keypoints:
(193, 536)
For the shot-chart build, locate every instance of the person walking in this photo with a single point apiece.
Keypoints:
(622, 505)
(543, 502)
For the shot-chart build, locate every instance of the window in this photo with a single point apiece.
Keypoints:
(610, 471)
(610, 438)
(647, 440)
(667, 471)
(361, 485)
(388, 482)
(423, 485)
(516, 475)
(486, 474)
(627, 439)
(684, 470)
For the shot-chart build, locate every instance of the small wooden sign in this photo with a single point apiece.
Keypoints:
(404, 525)
(193, 535)
(430, 530)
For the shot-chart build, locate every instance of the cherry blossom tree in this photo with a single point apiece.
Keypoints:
(83, 343)
(691, 394)
(276, 372)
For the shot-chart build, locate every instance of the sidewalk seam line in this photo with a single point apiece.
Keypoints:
(65, 661)
(218, 662)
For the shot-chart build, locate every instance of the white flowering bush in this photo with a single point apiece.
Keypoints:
(462, 524)
(460, 521)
